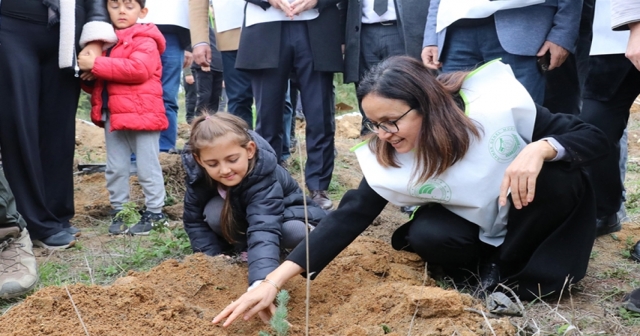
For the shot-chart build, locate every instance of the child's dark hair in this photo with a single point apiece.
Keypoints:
(204, 131)
(141, 3)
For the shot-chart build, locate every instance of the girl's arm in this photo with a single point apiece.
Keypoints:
(202, 238)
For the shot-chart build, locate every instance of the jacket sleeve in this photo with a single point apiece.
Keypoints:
(264, 209)
(624, 12)
(138, 68)
(583, 142)
(98, 26)
(566, 24)
(357, 210)
(202, 238)
(199, 21)
(430, 36)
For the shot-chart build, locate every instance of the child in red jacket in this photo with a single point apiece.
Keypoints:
(127, 101)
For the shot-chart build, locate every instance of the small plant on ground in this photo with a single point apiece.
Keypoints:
(279, 322)
(129, 214)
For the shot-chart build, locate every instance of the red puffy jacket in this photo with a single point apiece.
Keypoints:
(132, 74)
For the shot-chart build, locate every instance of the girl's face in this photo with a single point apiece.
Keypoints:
(226, 161)
(397, 117)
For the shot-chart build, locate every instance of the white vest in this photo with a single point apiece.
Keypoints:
(506, 114)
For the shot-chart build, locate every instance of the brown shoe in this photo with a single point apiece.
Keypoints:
(18, 270)
(322, 199)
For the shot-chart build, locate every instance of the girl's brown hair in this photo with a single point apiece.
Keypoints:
(204, 131)
(445, 133)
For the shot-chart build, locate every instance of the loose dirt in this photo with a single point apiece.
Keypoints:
(367, 287)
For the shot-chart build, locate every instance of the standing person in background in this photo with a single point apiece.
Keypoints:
(377, 29)
(209, 78)
(613, 84)
(625, 14)
(39, 41)
(519, 36)
(172, 18)
(190, 94)
(237, 82)
(565, 84)
(305, 36)
(18, 268)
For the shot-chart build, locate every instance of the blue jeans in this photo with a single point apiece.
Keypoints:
(287, 115)
(172, 59)
(237, 84)
(468, 47)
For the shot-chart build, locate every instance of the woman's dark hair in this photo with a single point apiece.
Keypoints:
(445, 133)
(205, 129)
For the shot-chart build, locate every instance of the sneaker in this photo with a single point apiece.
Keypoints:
(322, 199)
(74, 231)
(58, 241)
(148, 221)
(117, 225)
(631, 301)
(18, 270)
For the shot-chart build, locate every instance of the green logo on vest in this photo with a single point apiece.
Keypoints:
(434, 189)
(505, 144)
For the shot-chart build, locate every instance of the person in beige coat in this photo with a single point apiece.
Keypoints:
(237, 82)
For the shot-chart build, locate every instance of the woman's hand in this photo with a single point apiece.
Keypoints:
(258, 300)
(522, 173)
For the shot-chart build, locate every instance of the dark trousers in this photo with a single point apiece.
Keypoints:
(377, 43)
(316, 90)
(564, 85)
(443, 238)
(209, 88)
(37, 124)
(611, 116)
(9, 215)
(190, 97)
(237, 84)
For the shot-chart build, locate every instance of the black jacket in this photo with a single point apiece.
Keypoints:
(260, 43)
(583, 143)
(266, 197)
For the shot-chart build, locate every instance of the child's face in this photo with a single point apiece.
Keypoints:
(226, 161)
(125, 13)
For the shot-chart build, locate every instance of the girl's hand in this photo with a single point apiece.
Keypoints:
(257, 301)
(522, 173)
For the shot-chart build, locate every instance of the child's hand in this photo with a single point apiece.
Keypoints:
(86, 59)
(88, 76)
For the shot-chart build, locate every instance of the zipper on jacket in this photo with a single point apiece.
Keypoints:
(76, 68)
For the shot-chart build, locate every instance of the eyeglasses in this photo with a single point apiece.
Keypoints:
(389, 126)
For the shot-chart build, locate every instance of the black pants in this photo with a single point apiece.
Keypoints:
(610, 115)
(444, 238)
(37, 124)
(316, 92)
(209, 88)
(190, 97)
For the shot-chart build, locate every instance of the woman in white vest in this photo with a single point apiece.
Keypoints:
(499, 182)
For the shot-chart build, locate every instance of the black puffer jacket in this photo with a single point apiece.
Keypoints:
(266, 197)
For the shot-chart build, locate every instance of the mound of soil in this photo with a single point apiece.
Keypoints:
(349, 298)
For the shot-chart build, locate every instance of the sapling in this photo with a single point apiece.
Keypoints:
(129, 214)
(278, 321)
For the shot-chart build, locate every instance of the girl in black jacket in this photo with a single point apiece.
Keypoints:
(238, 194)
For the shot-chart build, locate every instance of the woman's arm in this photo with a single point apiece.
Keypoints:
(358, 208)
(582, 143)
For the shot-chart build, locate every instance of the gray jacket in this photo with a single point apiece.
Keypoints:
(624, 12)
(411, 17)
(522, 31)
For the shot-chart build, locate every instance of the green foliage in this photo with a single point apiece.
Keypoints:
(129, 214)
(279, 322)
(385, 328)
(563, 329)
(345, 93)
(54, 274)
(629, 317)
(84, 106)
